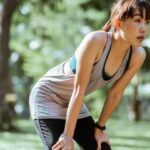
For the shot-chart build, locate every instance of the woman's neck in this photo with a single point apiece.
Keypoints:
(119, 44)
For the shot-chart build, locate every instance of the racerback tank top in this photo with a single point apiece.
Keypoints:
(50, 96)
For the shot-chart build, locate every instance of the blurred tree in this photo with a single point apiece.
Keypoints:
(5, 80)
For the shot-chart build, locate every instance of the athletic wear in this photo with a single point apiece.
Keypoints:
(73, 63)
(50, 130)
(51, 94)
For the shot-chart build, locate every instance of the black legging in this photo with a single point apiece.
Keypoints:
(50, 130)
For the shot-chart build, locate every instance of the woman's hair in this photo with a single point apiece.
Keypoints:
(124, 9)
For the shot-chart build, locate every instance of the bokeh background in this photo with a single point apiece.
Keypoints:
(36, 35)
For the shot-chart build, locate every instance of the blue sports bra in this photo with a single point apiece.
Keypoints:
(73, 63)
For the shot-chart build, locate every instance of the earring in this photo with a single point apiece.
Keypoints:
(117, 23)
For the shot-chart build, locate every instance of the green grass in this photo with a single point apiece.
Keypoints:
(128, 135)
(124, 135)
(26, 139)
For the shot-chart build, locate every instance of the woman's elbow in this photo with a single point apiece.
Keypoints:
(115, 96)
(78, 91)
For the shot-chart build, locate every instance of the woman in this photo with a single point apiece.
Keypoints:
(111, 55)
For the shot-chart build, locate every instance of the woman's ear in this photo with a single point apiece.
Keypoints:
(117, 23)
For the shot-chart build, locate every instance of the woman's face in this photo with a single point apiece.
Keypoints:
(134, 30)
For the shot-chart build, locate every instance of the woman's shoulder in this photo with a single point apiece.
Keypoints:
(139, 52)
(92, 41)
(92, 44)
(97, 36)
(96, 40)
(138, 55)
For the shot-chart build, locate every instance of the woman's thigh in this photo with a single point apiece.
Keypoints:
(84, 134)
(49, 130)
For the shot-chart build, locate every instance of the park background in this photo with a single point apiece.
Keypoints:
(36, 35)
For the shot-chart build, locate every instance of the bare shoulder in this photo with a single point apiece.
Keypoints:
(98, 37)
(92, 44)
(138, 56)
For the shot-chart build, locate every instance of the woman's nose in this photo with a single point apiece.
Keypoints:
(143, 27)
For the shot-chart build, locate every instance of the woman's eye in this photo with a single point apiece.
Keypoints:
(138, 20)
(148, 22)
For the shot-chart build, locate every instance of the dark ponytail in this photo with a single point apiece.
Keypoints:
(107, 27)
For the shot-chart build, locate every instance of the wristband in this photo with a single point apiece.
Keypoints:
(100, 127)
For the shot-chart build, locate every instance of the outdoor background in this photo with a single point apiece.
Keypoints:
(36, 35)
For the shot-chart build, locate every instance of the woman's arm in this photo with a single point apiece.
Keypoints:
(117, 90)
(86, 56)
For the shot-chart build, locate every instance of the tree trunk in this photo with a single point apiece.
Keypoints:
(9, 7)
(136, 104)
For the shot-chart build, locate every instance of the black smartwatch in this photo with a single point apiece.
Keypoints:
(100, 127)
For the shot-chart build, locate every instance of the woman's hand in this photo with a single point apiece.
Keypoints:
(100, 137)
(64, 143)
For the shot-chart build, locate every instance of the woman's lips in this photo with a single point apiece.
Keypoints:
(140, 38)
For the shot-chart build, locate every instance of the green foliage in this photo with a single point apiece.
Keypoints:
(46, 33)
(97, 4)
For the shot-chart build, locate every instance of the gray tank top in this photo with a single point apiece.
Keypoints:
(50, 96)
